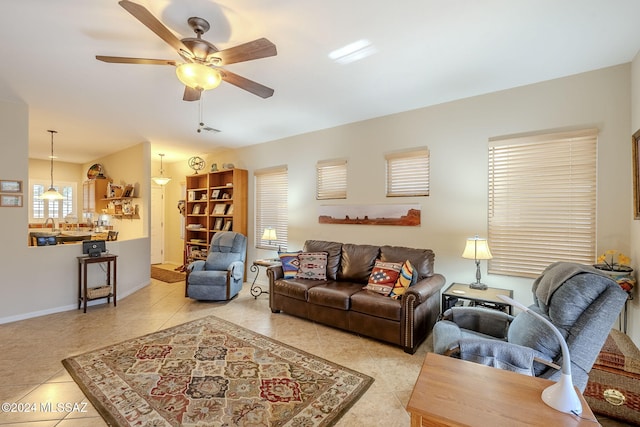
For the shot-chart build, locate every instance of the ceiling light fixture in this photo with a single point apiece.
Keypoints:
(353, 52)
(198, 76)
(161, 180)
(52, 193)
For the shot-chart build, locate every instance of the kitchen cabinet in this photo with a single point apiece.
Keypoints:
(94, 191)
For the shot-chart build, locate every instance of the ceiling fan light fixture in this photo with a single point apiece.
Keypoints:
(198, 76)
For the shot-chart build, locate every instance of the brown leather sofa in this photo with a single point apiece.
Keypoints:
(341, 302)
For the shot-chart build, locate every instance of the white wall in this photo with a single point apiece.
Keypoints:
(41, 280)
(634, 252)
(456, 134)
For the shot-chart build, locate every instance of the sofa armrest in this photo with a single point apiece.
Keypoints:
(274, 273)
(425, 288)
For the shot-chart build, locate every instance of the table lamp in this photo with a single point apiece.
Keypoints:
(561, 396)
(477, 249)
(269, 235)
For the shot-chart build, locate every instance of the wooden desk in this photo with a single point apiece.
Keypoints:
(453, 392)
(83, 261)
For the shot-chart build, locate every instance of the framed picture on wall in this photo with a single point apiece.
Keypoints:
(635, 150)
(10, 186)
(11, 200)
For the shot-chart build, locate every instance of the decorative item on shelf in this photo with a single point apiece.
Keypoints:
(52, 193)
(615, 264)
(561, 396)
(197, 164)
(227, 166)
(214, 167)
(95, 172)
(161, 179)
(477, 249)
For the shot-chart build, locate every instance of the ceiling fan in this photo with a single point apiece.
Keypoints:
(201, 69)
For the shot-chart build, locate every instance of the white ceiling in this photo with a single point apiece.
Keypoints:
(428, 52)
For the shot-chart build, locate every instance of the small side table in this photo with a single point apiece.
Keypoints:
(83, 261)
(481, 298)
(454, 392)
(256, 290)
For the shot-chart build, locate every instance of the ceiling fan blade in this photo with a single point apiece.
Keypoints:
(246, 84)
(151, 22)
(123, 60)
(260, 48)
(191, 94)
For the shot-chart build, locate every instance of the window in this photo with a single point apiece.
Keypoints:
(272, 206)
(542, 201)
(41, 209)
(408, 173)
(331, 179)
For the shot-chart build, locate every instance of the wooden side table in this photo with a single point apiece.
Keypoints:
(454, 392)
(83, 262)
(482, 298)
(256, 290)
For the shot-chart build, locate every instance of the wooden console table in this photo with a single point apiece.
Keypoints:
(83, 262)
(453, 392)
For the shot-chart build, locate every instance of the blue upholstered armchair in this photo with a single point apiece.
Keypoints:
(579, 300)
(220, 277)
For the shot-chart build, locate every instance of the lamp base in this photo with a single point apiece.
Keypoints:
(478, 285)
(562, 397)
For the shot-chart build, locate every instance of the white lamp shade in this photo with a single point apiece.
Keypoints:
(477, 248)
(269, 234)
(198, 76)
(161, 180)
(52, 194)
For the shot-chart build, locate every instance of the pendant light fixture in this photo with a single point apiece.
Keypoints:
(52, 193)
(161, 180)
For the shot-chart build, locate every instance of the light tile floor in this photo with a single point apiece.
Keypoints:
(31, 372)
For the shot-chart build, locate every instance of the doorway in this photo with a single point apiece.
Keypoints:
(157, 224)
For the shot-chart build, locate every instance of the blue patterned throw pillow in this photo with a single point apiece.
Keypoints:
(290, 264)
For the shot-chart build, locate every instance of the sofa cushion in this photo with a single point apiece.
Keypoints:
(374, 304)
(408, 277)
(295, 288)
(333, 294)
(422, 259)
(333, 249)
(356, 262)
(290, 264)
(383, 277)
(312, 265)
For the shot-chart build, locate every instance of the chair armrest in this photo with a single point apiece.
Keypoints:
(483, 320)
(195, 266)
(425, 288)
(236, 269)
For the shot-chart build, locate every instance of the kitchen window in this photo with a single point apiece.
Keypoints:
(40, 209)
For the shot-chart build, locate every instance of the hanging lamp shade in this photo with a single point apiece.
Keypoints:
(161, 180)
(52, 193)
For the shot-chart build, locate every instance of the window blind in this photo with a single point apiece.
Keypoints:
(542, 201)
(271, 202)
(331, 179)
(408, 173)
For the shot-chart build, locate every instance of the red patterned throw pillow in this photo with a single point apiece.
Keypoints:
(312, 265)
(383, 277)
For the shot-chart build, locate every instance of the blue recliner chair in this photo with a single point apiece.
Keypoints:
(578, 299)
(220, 277)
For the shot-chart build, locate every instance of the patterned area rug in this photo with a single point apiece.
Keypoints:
(166, 276)
(210, 372)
